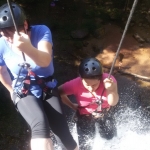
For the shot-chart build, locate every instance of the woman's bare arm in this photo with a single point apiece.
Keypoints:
(5, 78)
(66, 100)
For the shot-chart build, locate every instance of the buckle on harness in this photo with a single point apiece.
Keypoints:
(98, 102)
(20, 95)
(96, 115)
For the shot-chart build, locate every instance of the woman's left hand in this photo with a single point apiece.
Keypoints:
(112, 91)
(109, 84)
(21, 42)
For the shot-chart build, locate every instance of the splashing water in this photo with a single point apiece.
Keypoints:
(133, 132)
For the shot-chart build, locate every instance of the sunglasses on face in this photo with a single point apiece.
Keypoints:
(9, 32)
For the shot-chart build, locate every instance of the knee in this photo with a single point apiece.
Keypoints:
(108, 129)
(41, 144)
(40, 127)
(69, 143)
(108, 135)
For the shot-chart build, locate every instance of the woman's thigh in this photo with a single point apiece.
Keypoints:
(86, 132)
(58, 122)
(32, 111)
(107, 127)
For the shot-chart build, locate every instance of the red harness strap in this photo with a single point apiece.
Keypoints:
(39, 81)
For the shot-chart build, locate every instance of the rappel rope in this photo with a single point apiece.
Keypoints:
(122, 38)
(15, 25)
(99, 102)
(23, 65)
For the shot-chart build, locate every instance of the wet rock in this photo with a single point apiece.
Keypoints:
(136, 103)
(79, 34)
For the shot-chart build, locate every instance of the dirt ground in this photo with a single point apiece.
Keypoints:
(133, 57)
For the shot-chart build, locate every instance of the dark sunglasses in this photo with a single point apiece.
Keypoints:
(9, 32)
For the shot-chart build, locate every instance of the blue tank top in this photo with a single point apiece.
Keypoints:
(12, 60)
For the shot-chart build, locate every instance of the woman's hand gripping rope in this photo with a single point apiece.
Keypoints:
(21, 42)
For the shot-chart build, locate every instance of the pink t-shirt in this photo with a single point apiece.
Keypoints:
(84, 98)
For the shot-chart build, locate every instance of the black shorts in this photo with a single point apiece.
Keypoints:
(45, 115)
(86, 129)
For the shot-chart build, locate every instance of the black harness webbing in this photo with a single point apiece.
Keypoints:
(97, 101)
(38, 81)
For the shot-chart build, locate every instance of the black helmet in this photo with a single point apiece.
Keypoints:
(89, 68)
(6, 18)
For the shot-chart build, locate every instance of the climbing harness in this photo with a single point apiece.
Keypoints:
(38, 81)
(27, 80)
(118, 50)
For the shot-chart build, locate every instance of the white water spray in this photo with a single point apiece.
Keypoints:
(133, 133)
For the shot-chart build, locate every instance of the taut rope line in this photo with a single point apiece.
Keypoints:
(15, 25)
(123, 36)
(24, 64)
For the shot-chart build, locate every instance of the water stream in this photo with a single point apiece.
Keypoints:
(133, 133)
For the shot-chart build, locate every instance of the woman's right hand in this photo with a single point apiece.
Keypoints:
(74, 106)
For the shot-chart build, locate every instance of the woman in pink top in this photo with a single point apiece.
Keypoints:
(95, 94)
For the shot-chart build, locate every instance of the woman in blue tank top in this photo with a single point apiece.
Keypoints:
(35, 44)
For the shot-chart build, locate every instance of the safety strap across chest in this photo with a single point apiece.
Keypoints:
(97, 101)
